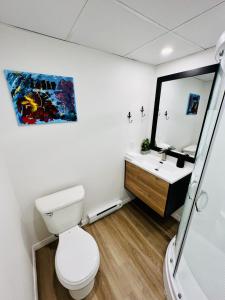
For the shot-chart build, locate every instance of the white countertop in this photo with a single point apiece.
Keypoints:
(166, 170)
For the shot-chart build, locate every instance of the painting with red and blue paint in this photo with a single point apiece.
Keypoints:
(40, 98)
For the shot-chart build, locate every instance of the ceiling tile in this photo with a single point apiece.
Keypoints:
(50, 17)
(151, 52)
(206, 29)
(109, 26)
(170, 13)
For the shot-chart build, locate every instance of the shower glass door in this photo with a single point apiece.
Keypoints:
(200, 246)
(209, 126)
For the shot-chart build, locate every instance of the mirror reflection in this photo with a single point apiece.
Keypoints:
(182, 109)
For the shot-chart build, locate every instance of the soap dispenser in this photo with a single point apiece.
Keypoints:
(181, 160)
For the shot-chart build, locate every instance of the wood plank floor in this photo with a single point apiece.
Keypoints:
(132, 244)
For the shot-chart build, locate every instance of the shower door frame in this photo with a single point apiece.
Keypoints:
(193, 206)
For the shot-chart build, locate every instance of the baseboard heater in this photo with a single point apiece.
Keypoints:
(104, 211)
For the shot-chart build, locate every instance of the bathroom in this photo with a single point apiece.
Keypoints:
(121, 56)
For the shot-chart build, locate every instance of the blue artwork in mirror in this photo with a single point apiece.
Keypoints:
(193, 103)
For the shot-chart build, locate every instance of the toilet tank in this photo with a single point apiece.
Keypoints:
(62, 210)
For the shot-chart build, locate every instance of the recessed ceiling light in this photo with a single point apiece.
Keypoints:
(167, 51)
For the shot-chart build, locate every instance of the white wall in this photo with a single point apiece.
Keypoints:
(180, 129)
(15, 262)
(45, 158)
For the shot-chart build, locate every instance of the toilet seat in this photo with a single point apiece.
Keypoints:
(77, 258)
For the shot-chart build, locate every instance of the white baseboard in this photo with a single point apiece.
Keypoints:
(44, 242)
(127, 200)
(84, 221)
(178, 214)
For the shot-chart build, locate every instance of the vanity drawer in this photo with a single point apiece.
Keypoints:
(149, 188)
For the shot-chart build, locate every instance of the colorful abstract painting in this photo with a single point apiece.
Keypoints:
(40, 98)
(193, 103)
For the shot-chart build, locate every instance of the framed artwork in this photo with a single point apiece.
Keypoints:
(193, 103)
(40, 98)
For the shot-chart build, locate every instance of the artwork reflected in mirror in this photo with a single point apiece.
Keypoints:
(180, 110)
(193, 103)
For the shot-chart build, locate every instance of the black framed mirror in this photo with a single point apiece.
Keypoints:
(181, 104)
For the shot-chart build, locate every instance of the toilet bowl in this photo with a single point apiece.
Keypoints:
(77, 261)
(77, 256)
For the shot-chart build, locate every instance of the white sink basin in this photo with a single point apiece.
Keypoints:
(166, 170)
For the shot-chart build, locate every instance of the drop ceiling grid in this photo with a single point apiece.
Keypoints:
(132, 28)
(206, 29)
(151, 52)
(171, 14)
(48, 17)
(196, 46)
(187, 32)
(113, 27)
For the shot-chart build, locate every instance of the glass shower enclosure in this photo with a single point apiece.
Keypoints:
(194, 267)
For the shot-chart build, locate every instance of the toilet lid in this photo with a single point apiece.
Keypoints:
(77, 256)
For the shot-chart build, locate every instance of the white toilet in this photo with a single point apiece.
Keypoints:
(77, 256)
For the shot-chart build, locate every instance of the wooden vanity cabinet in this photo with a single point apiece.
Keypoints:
(163, 197)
